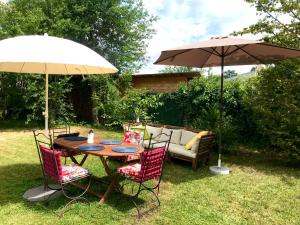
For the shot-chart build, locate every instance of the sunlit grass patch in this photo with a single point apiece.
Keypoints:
(257, 191)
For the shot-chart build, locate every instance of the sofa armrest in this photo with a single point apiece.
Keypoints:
(206, 144)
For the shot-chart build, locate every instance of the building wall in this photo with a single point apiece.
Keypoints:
(161, 83)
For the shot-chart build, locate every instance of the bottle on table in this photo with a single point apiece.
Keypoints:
(90, 139)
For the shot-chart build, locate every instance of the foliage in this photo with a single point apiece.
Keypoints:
(179, 69)
(275, 104)
(118, 30)
(197, 105)
(279, 23)
(136, 104)
(277, 107)
(106, 100)
(230, 74)
(22, 97)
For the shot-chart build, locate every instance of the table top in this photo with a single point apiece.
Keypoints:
(72, 145)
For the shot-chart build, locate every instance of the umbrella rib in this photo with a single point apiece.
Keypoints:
(259, 60)
(213, 52)
(85, 70)
(66, 68)
(22, 67)
(242, 49)
(226, 50)
(237, 48)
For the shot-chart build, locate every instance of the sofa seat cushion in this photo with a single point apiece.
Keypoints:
(176, 135)
(156, 131)
(181, 150)
(186, 136)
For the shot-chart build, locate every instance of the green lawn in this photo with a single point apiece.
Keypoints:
(258, 191)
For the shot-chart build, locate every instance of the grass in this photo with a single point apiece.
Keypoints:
(258, 191)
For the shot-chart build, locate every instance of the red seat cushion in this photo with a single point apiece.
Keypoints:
(132, 171)
(133, 157)
(72, 172)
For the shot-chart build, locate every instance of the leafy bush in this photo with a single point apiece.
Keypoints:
(137, 104)
(276, 103)
(23, 97)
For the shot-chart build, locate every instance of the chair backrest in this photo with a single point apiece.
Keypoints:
(152, 161)
(52, 163)
(41, 139)
(58, 131)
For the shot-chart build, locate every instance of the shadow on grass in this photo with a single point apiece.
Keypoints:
(17, 125)
(16, 179)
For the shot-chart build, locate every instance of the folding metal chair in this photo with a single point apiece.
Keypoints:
(150, 167)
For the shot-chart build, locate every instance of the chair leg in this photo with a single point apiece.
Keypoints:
(135, 197)
(75, 198)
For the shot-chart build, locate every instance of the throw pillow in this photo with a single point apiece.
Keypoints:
(176, 135)
(186, 136)
(133, 138)
(156, 131)
(190, 143)
(141, 129)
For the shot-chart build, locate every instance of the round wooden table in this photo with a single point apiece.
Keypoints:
(107, 151)
(73, 146)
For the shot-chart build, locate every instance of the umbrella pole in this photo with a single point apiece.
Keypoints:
(221, 108)
(219, 169)
(46, 100)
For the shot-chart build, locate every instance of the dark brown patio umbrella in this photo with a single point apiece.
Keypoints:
(225, 51)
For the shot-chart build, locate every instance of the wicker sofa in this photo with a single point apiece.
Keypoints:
(200, 150)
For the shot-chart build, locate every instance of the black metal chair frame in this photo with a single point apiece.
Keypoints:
(48, 142)
(142, 186)
(59, 132)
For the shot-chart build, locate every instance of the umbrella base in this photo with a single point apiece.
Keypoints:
(39, 194)
(219, 170)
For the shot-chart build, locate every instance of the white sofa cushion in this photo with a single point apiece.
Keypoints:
(186, 136)
(176, 135)
(180, 150)
(195, 146)
(156, 131)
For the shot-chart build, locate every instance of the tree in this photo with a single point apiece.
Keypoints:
(116, 29)
(179, 69)
(275, 99)
(279, 23)
(230, 73)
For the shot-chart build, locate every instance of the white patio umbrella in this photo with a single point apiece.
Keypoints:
(50, 55)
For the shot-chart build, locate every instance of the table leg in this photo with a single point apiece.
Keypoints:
(107, 169)
(109, 189)
(83, 160)
(74, 160)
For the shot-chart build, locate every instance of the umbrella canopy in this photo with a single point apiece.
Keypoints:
(50, 55)
(225, 51)
(234, 51)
